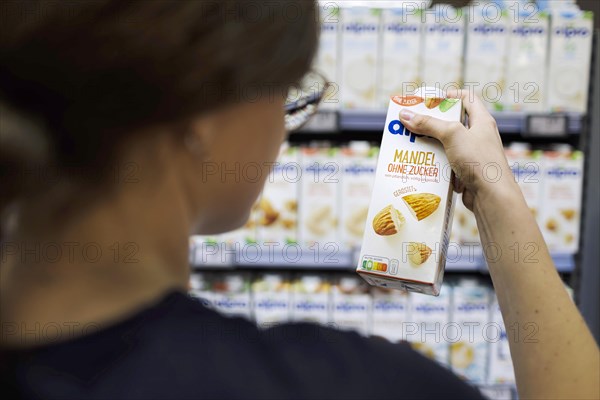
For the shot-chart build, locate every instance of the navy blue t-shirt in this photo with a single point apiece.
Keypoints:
(180, 349)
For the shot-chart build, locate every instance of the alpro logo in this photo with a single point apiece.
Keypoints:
(444, 29)
(429, 308)
(357, 27)
(569, 31)
(395, 127)
(563, 172)
(402, 28)
(468, 307)
(357, 169)
(528, 31)
(484, 29)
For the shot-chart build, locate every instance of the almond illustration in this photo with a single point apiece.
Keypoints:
(388, 221)
(568, 214)
(418, 253)
(552, 225)
(269, 214)
(422, 205)
(432, 102)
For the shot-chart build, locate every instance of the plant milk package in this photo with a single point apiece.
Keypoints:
(570, 57)
(359, 52)
(351, 304)
(526, 165)
(429, 329)
(311, 299)
(390, 313)
(207, 250)
(468, 233)
(327, 58)
(400, 51)
(485, 53)
(526, 67)
(562, 192)
(235, 243)
(320, 186)
(277, 215)
(410, 215)
(358, 164)
(231, 293)
(271, 299)
(471, 313)
(501, 369)
(443, 43)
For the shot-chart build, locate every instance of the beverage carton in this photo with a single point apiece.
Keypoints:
(526, 67)
(358, 164)
(562, 192)
(277, 210)
(390, 313)
(570, 58)
(400, 51)
(359, 51)
(271, 299)
(526, 165)
(231, 293)
(501, 369)
(351, 304)
(410, 216)
(429, 331)
(319, 211)
(311, 299)
(471, 313)
(485, 53)
(443, 43)
(327, 59)
(200, 288)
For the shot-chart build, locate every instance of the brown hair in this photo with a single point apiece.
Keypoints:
(77, 78)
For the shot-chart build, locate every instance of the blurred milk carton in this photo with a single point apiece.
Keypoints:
(500, 362)
(470, 310)
(231, 293)
(311, 299)
(359, 52)
(327, 59)
(271, 299)
(351, 304)
(390, 313)
(358, 165)
(526, 165)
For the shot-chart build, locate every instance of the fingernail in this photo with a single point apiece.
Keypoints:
(406, 114)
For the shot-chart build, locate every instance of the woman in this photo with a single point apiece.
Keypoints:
(110, 112)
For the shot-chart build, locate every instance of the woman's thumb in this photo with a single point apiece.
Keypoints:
(429, 126)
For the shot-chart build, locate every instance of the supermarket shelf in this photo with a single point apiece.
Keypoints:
(509, 122)
(307, 259)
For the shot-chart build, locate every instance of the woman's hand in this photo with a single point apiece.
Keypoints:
(475, 153)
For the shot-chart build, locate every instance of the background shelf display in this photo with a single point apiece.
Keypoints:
(509, 122)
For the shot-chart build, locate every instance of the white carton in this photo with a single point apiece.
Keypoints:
(430, 317)
(570, 57)
(390, 313)
(351, 304)
(271, 299)
(562, 192)
(207, 250)
(471, 313)
(409, 219)
(277, 211)
(501, 369)
(526, 67)
(399, 67)
(359, 52)
(327, 59)
(485, 53)
(311, 299)
(443, 43)
(231, 293)
(526, 165)
(318, 207)
(466, 224)
(358, 165)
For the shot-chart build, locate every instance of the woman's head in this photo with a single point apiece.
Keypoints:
(85, 85)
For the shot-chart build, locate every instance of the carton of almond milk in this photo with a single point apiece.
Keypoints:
(351, 304)
(410, 215)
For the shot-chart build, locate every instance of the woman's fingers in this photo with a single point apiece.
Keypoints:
(430, 126)
(473, 106)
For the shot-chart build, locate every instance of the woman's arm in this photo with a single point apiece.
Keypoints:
(553, 351)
